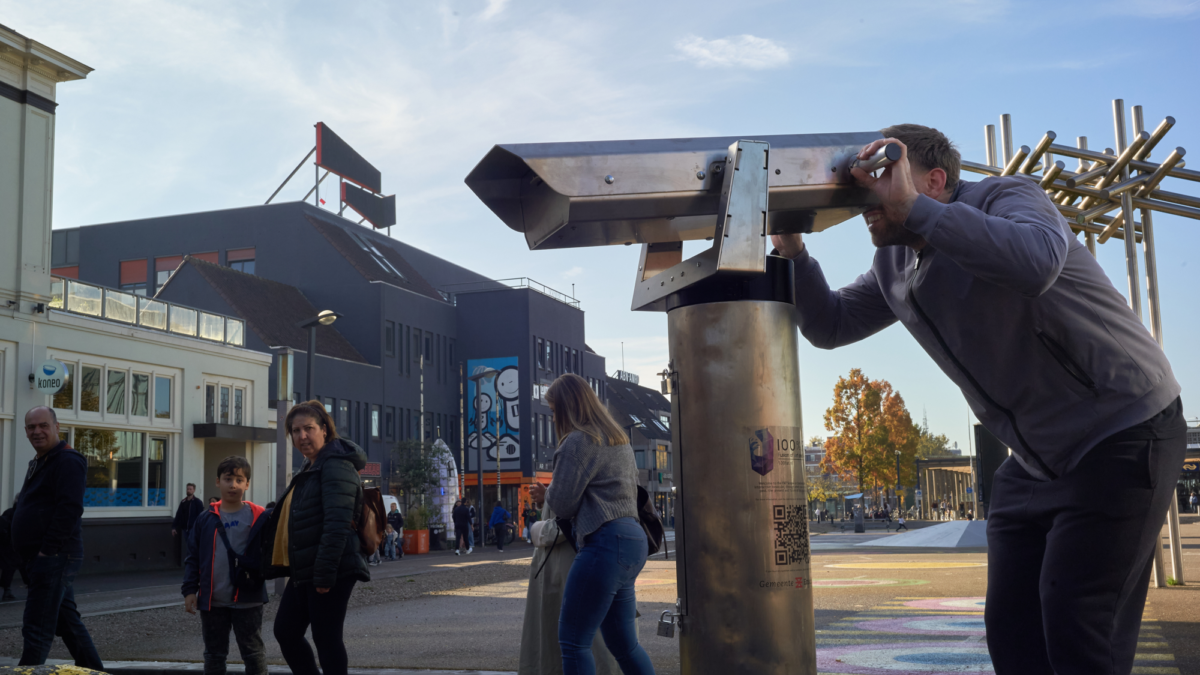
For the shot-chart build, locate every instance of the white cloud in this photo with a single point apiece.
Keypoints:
(573, 272)
(738, 51)
(493, 9)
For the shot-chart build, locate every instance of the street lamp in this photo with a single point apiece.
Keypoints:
(325, 318)
(897, 495)
(479, 425)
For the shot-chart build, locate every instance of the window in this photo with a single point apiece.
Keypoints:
(389, 338)
(639, 456)
(666, 420)
(238, 398)
(375, 421)
(162, 398)
(429, 346)
(115, 466)
(64, 399)
(210, 403)
(541, 359)
(389, 420)
(140, 395)
(133, 276)
(450, 357)
(566, 359)
(115, 401)
(89, 389)
(546, 358)
(343, 417)
(241, 259)
(635, 419)
(662, 459)
(415, 350)
(156, 473)
(659, 425)
(575, 361)
(224, 405)
(328, 405)
(163, 268)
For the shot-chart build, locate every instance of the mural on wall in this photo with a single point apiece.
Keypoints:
(499, 414)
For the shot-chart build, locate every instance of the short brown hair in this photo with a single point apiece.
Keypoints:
(316, 410)
(577, 408)
(232, 464)
(929, 149)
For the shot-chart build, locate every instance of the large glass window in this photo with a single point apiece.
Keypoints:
(210, 403)
(246, 266)
(238, 395)
(343, 417)
(162, 398)
(663, 459)
(64, 399)
(89, 389)
(224, 405)
(116, 392)
(140, 395)
(156, 473)
(375, 421)
(541, 359)
(115, 466)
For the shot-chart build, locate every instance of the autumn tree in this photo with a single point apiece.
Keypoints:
(870, 424)
(930, 445)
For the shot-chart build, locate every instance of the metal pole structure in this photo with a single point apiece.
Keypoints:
(897, 493)
(308, 374)
(293, 173)
(1006, 138)
(317, 184)
(989, 149)
(1152, 306)
(499, 491)
(1131, 257)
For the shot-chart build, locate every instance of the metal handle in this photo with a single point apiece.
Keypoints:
(883, 157)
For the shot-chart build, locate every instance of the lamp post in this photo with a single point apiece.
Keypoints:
(897, 495)
(325, 318)
(480, 420)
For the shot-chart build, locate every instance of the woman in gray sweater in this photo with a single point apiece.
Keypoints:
(595, 485)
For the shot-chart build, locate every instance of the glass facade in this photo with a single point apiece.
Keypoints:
(115, 401)
(116, 466)
(237, 406)
(89, 389)
(162, 398)
(140, 395)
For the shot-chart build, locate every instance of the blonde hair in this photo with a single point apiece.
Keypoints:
(577, 408)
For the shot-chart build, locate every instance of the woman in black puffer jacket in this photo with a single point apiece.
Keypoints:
(310, 538)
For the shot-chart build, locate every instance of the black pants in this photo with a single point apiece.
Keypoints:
(1069, 560)
(246, 623)
(499, 531)
(302, 606)
(7, 572)
(50, 611)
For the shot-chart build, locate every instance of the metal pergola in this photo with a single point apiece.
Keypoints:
(1117, 181)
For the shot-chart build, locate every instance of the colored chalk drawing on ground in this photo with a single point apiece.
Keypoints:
(859, 583)
(939, 636)
(906, 565)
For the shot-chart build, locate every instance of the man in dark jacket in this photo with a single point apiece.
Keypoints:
(990, 281)
(47, 536)
(396, 520)
(461, 515)
(190, 508)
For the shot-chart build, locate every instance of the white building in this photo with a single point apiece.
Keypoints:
(158, 393)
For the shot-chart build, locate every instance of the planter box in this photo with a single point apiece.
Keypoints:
(416, 542)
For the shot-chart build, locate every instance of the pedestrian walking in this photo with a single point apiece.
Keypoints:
(990, 280)
(472, 514)
(226, 541)
(1195, 501)
(47, 537)
(499, 524)
(309, 538)
(396, 520)
(189, 509)
(390, 536)
(461, 517)
(901, 524)
(529, 516)
(552, 558)
(595, 485)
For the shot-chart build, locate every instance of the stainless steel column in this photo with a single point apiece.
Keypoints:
(743, 559)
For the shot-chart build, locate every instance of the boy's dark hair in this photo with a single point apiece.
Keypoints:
(928, 148)
(231, 464)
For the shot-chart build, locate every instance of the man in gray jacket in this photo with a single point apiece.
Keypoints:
(990, 281)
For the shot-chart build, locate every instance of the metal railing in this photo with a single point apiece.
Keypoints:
(78, 297)
(514, 283)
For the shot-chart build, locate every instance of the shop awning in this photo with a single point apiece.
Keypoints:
(234, 432)
(853, 496)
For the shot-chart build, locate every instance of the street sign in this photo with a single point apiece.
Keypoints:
(970, 490)
(50, 376)
(918, 494)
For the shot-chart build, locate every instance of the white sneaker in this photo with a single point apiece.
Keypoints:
(456, 552)
(471, 550)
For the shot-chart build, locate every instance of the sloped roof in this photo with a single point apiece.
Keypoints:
(375, 263)
(272, 310)
(625, 399)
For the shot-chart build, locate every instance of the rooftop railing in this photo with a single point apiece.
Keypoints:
(514, 283)
(77, 297)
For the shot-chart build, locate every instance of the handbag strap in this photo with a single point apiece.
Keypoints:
(225, 538)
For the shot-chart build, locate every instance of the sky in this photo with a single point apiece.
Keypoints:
(204, 106)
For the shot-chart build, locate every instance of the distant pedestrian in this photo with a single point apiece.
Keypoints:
(225, 541)
(1195, 501)
(473, 516)
(530, 516)
(461, 517)
(47, 537)
(389, 541)
(499, 524)
(396, 520)
(552, 558)
(190, 508)
(900, 523)
(310, 539)
(595, 485)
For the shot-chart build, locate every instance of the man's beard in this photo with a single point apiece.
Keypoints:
(887, 233)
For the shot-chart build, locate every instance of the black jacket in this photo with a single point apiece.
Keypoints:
(187, 513)
(202, 558)
(49, 507)
(326, 498)
(461, 515)
(396, 520)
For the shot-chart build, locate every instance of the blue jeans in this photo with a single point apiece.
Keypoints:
(599, 595)
(50, 610)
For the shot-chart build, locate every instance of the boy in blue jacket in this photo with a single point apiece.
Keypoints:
(211, 571)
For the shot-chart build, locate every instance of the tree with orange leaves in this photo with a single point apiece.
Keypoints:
(869, 423)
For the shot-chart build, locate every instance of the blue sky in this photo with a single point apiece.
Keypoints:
(202, 106)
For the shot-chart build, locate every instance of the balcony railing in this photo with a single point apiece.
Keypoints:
(78, 297)
(515, 283)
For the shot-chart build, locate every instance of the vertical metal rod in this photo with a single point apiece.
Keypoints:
(317, 185)
(989, 142)
(1006, 139)
(308, 374)
(1152, 306)
(1131, 260)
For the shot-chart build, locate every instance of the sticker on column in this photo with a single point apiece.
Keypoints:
(776, 458)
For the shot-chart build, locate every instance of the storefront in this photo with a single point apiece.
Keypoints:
(1189, 483)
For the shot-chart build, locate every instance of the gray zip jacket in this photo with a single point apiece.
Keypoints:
(1013, 308)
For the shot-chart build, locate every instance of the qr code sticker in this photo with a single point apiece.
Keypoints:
(791, 534)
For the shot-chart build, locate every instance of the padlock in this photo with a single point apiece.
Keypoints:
(666, 627)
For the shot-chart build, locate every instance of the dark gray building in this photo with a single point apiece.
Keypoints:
(646, 416)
